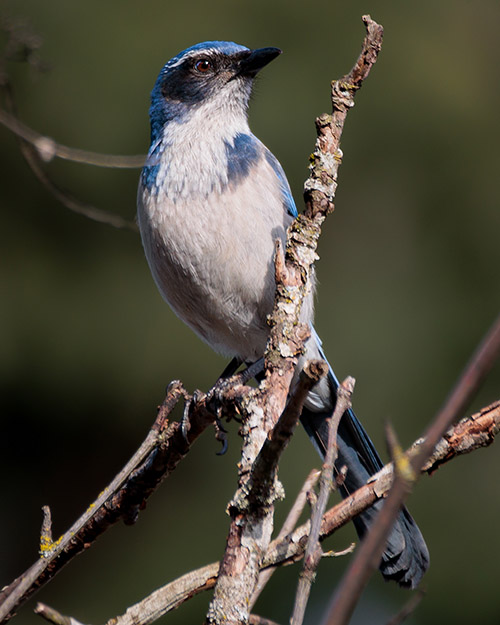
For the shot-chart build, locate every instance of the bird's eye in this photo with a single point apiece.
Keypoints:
(203, 66)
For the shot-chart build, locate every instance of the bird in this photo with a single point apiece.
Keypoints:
(211, 202)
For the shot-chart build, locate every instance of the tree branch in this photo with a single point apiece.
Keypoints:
(368, 556)
(313, 550)
(288, 526)
(48, 149)
(164, 447)
(251, 525)
(33, 155)
(468, 435)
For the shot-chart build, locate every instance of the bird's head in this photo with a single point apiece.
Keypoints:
(217, 75)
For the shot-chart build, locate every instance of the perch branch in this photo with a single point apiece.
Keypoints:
(239, 572)
(252, 506)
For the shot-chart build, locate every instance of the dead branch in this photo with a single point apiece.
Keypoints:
(252, 507)
(468, 435)
(53, 616)
(320, 187)
(288, 526)
(313, 550)
(164, 447)
(239, 572)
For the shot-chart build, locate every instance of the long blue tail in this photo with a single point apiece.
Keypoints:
(406, 557)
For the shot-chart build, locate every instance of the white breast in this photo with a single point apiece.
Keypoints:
(213, 262)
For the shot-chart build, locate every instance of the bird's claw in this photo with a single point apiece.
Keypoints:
(185, 424)
(220, 435)
(185, 421)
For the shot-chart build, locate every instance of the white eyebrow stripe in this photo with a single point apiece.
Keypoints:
(178, 60)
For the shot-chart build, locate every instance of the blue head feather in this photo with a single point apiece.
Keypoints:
(161, 112)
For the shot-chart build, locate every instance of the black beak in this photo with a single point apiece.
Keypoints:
(256, 60)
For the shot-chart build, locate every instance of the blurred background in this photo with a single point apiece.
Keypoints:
(409, 282)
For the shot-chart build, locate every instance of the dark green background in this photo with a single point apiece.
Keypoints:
(409, 282)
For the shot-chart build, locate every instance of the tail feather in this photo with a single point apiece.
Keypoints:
(406, 557)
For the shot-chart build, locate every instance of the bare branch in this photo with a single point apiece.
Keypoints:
(34, 161)
(239, 571)
(252, 506)
(49, 149)
(288, 526)
(67, 199)
(470, 434)
(320, 187)
(368, 556)
(53, 616)
(169, 597)
(157, 457)
(313, 551)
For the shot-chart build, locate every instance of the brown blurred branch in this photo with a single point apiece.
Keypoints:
(368, 556)
(469, 434)
(48, 149)
(33, 153)
(22, 45)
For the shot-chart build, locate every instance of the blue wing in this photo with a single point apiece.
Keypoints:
(288, 201)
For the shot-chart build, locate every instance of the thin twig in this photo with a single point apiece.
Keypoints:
(409, 607)
(53, 616)
(287, 527)
(468, 435)
(313, 551)
(34, 161)
(70, 201)
(46, 539)
(371, 548)
(48, 149)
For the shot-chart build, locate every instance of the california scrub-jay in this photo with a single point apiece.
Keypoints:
(212, 201)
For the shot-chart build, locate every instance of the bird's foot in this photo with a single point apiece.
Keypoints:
(224, 392)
